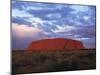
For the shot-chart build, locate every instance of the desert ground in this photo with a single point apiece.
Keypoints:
(24, 62)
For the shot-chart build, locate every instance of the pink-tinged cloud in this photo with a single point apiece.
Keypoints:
(23, 31)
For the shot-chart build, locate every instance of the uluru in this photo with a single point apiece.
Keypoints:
(55, 44)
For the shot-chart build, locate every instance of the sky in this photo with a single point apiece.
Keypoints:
(32, 21)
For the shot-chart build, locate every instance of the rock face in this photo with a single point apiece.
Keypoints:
(55, 44)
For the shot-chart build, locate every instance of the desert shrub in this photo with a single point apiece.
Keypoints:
(91, 55)
(59, 66)
(74, 65)
(14, 69)
(43, 58)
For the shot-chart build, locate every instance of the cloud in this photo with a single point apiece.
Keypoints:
(88, 42)
(81, 8)
(36, 20)
(20, 20)
(34, 6)
(23, 31)
(54, 16)
(65, 28)
(20, 13)
(39, 6)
